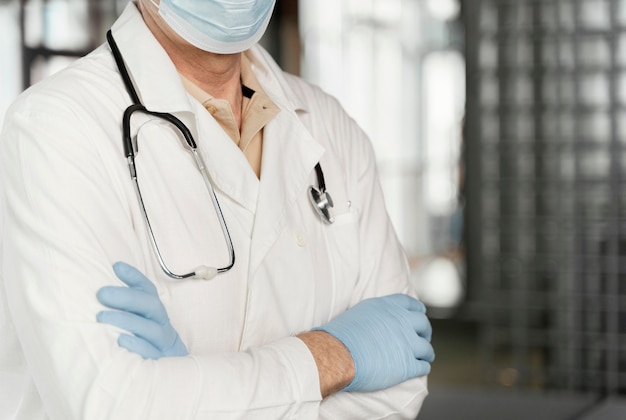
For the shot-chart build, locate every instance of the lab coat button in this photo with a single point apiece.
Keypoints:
(301, 238)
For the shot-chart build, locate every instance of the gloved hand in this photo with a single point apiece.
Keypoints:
(388, 338)
(140, 312)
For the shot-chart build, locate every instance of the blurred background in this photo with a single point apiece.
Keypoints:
(500, 131)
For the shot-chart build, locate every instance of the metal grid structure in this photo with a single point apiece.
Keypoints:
(545, 188)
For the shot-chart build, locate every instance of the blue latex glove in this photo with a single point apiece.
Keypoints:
(388, 338)
(140, 312)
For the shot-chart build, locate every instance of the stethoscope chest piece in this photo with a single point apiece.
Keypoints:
(322, 203)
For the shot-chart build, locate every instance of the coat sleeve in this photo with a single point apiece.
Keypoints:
(383, 264)
(65, 220)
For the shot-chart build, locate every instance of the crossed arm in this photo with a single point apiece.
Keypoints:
(378, 343)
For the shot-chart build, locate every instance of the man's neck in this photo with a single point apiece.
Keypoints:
(217, 74)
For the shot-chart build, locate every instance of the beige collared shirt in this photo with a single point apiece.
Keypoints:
(257, 109)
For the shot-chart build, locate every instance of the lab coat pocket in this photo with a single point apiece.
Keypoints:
(343, 251)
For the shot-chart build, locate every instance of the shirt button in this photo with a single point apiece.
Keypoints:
(211, 109)
(301, 238)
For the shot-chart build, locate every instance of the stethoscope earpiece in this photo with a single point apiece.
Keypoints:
(322, 203)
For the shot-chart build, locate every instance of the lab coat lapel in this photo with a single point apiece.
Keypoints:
(289, 158)
(228, 168)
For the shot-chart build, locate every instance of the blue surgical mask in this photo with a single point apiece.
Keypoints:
(222, 27)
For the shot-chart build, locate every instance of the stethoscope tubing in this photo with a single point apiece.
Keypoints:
(130, 151)
(319, 197)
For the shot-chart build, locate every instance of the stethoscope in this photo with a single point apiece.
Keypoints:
(319, 197)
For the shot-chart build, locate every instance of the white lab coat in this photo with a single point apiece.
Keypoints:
(69, 211)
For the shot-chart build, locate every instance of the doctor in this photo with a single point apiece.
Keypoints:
(305, 319)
